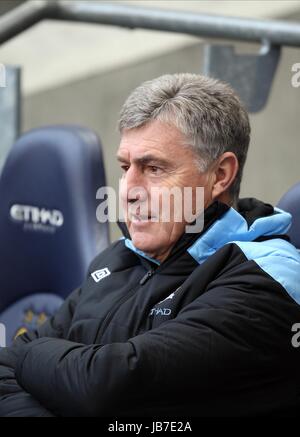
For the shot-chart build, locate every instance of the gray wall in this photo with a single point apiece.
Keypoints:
(273, 161)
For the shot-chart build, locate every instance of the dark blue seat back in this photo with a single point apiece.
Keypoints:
(290, 202)
(48, 228)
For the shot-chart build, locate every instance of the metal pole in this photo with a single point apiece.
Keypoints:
(10, 110)
(133, 17)
(23, 17)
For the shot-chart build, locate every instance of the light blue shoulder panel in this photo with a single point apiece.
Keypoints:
(232, 226)
(278, 258)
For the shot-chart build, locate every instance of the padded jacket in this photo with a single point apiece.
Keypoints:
(208, 332)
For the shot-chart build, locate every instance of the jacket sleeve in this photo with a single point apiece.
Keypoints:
(206, 351)
(14, 400)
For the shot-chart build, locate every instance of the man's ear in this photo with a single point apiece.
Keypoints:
(225, 173)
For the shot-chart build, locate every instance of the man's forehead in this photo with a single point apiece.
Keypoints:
(156, 137)
(138, 151)
(132, 144)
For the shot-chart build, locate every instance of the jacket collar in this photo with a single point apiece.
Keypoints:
(251, 220)
(212, 213)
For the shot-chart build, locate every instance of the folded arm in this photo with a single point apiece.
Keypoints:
(206, 351)
(14, 400)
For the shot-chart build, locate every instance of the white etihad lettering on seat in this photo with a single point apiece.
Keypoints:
(37, 216)
(100, 274)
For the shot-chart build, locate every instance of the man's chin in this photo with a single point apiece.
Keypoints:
(144, 241)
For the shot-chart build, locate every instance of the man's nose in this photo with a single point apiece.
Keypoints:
(135, 185)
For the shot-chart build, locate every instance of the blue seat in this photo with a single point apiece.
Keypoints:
(290, 202)
(48, 228)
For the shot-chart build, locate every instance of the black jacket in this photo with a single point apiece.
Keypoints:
(206, 333)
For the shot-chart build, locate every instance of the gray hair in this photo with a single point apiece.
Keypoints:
(207, 112)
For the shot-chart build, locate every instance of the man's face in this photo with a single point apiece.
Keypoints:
(153, 161)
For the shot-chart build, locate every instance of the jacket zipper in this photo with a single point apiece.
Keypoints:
(120, 302)
(123, 299)
(147, 276)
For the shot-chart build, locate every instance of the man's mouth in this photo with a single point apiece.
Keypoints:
(137, 218)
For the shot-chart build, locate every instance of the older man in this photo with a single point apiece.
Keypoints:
(171, 322)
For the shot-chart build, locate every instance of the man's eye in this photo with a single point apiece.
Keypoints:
(125, 167)
(154, 170)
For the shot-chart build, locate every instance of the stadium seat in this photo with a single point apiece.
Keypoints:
(290, 202)
(48, 228)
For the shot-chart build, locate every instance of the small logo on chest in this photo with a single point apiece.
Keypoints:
(158, 311)
(100, 274)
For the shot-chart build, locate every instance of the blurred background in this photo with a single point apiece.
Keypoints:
(82, 73)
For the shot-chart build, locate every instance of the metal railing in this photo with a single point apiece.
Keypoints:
(276, 32)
